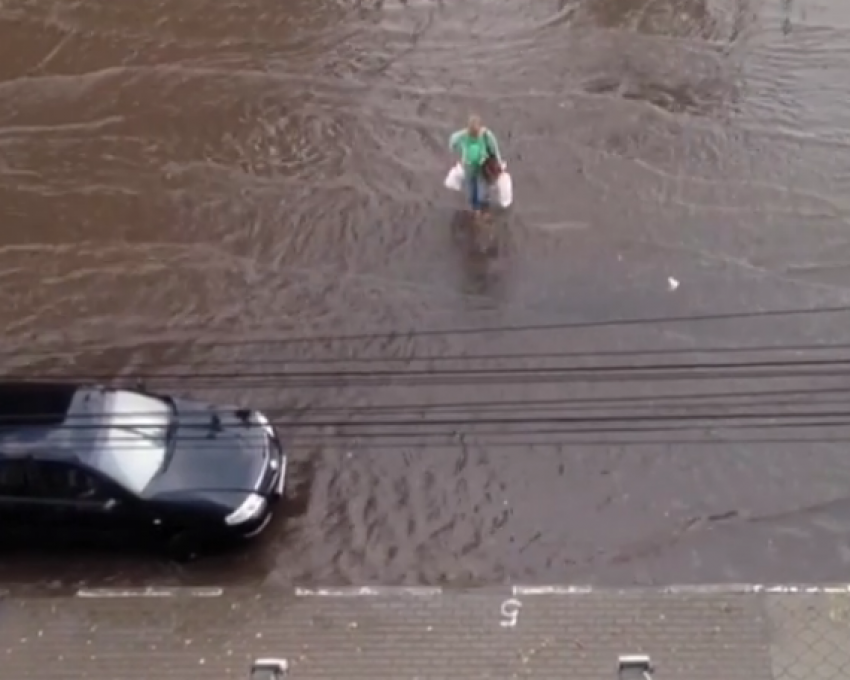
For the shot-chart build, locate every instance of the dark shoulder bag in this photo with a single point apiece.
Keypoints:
(492, 168)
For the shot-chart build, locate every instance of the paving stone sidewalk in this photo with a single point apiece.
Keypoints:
(451, 635)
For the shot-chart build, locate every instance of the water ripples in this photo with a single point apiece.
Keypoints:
(177, 171)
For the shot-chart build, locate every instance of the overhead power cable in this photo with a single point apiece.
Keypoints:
(638, 403)
(336, 360)
(540, 436)
(209, 426)
(531, 327)
(527, 379)
(661, 371)
(557, 441)
(453, 441)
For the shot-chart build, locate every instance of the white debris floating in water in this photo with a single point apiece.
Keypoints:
(672, 283)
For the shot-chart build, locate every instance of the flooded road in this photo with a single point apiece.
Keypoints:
(187, 186)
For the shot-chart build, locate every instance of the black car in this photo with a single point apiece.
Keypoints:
(107, 463)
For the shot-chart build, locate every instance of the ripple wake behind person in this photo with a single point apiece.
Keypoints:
(480, 159)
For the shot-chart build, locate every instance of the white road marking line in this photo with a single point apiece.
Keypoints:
(516, 591)
(369, 591)
(551, 590)
(152, 592)
(707, 589)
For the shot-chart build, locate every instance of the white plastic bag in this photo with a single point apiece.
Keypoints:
(454, 180)
(504, 190)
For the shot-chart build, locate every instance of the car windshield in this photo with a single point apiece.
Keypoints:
(134, 443)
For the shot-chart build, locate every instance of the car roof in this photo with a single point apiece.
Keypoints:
(33, 418)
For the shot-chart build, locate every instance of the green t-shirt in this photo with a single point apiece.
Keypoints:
(474, 150)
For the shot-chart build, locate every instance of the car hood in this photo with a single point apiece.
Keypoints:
(214, 450)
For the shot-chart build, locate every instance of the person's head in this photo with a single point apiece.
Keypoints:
(474, 125)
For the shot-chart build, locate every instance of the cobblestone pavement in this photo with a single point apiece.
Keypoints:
(690, 635)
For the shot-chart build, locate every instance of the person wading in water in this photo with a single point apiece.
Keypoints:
(480, 158)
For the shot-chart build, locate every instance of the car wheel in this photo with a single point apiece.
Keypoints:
(183, 546)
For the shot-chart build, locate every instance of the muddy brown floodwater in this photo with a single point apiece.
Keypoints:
(185, 185)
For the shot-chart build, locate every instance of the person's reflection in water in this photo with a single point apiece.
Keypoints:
(480, 250)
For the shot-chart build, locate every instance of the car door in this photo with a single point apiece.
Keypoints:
(23, 513)
(88, 507)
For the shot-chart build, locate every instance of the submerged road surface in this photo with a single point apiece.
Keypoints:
(183, 185)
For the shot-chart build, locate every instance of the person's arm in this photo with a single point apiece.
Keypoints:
(493, 143)
(455, 141)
